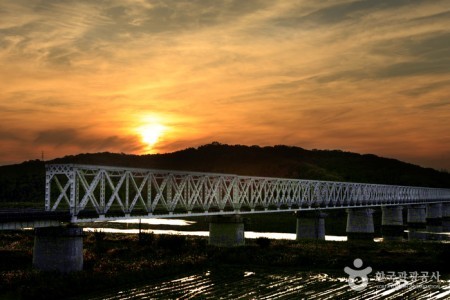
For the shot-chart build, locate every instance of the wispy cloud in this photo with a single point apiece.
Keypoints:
(86, 141)
(366, 76)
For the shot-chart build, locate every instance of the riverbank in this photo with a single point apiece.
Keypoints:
(114, 260)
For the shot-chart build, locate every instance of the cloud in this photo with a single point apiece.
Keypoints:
(427, 89)
(11, 135)
(367, 76)
(58, 137)
(435, 105)
(86, 141)
(422, 54)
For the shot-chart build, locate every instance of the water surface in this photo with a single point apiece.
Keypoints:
(270, 283)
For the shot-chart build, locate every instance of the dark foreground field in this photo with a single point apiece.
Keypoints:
(117, 260)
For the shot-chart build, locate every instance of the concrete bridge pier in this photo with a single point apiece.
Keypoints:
(434, 221)
(446, 217)
(392, 223)
(310, 225)
(58, 249)
(416, 220)
(360, 224)
(226, 231)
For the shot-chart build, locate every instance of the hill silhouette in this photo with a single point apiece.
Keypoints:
(25, 182)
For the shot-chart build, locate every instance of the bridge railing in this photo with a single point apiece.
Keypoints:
(105, 191)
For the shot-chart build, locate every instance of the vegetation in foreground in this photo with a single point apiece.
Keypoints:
(117, 260)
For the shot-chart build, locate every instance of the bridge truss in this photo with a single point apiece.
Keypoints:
(110, 193)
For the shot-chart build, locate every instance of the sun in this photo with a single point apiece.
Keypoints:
(151, 133)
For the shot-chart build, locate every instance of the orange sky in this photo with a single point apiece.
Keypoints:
(138, 76)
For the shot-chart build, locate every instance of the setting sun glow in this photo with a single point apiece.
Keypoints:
(146, 77)
(150, 134)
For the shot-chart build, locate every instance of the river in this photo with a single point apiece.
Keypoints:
(183, 229)
(276, 283)
(263, 282)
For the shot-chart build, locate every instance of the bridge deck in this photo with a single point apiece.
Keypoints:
(147, 193)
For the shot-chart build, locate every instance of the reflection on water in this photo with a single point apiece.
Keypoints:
(267, 283)
(154, 231)
(181, 222)
(248, 234)
(270, 283)
(442, 236)
(175, 222)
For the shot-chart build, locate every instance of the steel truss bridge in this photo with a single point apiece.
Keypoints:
(92, 193)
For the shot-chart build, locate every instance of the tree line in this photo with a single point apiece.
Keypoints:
(25, 182)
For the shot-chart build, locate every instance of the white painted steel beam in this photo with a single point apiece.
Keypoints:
(110, 193)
